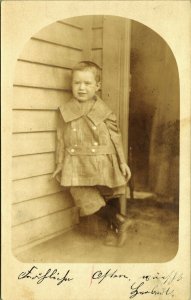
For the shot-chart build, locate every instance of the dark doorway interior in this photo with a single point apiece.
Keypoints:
(154, 114)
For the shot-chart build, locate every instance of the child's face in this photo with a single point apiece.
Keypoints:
(84, 85)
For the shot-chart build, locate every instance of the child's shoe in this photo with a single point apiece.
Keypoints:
(123, 225)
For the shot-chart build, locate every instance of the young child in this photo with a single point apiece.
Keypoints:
(89, 157)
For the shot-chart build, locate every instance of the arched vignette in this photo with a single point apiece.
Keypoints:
(46, 110)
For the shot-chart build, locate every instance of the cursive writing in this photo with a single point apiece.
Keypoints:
(165, 279)
(156, 284)
(152, 284)
(39, 277)
(100, 276)
(137, 289)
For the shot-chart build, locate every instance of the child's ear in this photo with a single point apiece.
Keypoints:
(98, 86)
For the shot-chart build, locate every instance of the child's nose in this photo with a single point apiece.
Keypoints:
(82, 86)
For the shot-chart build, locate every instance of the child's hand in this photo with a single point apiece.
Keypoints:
(125, 170)
(58, 170)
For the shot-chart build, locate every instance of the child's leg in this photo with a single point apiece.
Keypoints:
(87, 199)
(122, 204)
(117, 212)
(116, 197)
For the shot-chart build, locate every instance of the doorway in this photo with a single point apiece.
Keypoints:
(154, 115)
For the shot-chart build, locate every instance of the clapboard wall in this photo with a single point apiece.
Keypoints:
(41, 209)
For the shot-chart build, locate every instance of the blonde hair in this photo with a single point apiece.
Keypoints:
(89, 66)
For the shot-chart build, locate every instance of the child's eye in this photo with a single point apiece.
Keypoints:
(87, 83)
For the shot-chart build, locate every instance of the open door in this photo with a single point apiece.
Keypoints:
(107, 43)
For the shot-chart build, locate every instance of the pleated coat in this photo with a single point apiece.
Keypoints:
(89, 147)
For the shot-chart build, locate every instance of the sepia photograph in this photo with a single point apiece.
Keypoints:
(95, 150)
(95, 144)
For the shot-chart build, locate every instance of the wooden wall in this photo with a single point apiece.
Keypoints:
(41, 209)
(97, 43)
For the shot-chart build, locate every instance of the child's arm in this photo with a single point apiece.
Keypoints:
(59, 146)
(116, 138)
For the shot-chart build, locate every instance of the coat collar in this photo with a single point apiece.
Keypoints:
(71, 110)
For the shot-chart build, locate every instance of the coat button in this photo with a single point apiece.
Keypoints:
(72, 150)
(95, 143)
(94, 127)
(75, 145)
(93, 150)
(74, 129)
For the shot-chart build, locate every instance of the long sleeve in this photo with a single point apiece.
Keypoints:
(60, 140)
(115, 134)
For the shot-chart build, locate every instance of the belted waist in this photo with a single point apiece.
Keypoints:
(92, 150)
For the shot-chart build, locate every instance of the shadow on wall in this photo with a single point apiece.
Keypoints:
(154, 114)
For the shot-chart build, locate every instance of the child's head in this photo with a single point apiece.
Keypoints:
(85, 80)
